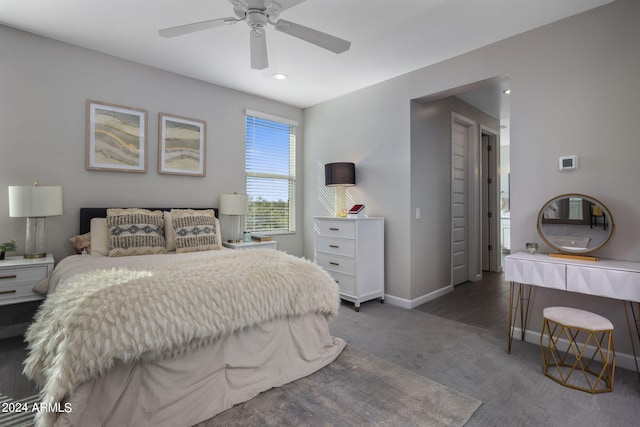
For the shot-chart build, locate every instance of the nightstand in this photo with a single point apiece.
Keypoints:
(243, 246)
(19, 275)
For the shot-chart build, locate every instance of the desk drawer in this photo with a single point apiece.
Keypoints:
(10, 276)
(544, 274)
(344, 247)
(336, 228)
(336, 263)
(617, 284)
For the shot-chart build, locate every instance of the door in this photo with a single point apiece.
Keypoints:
(459, 202)
(490, 204)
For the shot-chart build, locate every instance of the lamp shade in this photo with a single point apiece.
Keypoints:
(339, 174)
(234, 204)
(34, 201)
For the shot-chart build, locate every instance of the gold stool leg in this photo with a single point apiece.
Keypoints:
(597, 381)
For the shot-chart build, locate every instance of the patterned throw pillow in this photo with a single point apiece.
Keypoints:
(135, 232)
(195, 230)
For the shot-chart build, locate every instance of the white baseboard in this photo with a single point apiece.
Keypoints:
(623, 360)
(409, 304)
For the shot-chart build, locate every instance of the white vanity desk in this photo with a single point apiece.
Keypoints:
(607, 278)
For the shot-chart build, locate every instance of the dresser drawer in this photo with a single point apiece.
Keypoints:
(344, 247)
(336, 228)
(10, 276)
(336, 263)
(347, 284)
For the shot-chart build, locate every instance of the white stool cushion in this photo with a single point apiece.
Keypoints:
(576, 318)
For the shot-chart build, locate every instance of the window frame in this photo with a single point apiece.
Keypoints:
(290, 178)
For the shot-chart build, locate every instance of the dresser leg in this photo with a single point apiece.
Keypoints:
(517, 302)
(636, 325)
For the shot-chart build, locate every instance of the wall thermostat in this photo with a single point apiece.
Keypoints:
(568, 162)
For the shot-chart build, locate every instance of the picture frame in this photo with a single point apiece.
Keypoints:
(116, 137)
(182, 145)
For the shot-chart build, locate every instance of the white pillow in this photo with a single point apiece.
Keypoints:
(99, 237)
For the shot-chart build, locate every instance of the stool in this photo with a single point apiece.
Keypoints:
(561, 328)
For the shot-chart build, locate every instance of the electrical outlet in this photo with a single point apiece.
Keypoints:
(417, 213)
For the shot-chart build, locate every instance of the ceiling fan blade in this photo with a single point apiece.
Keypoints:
(196, 26)
(324, 40)
(259, 60)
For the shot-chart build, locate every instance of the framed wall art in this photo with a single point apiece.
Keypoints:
(182, 145)
(116, 138)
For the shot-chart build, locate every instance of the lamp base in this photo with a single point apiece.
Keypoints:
(34, 256)
(35, 245)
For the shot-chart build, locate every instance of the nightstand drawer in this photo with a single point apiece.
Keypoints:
(336, 228)
(17, 290)
(10, 276)
(336, 263)
(344, 247)
(347, 284)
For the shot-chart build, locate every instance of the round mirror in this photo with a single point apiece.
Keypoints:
(575, 224)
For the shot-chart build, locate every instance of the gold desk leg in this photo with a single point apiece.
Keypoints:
(517, 304)
(636, 323)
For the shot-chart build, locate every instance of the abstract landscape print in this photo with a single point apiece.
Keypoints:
(116, 138)
(182, 145)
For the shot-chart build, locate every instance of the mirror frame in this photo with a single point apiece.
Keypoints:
(590, 199)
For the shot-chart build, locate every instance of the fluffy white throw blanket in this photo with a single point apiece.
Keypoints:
(97, 318)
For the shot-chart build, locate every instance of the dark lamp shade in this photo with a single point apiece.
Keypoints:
(339, 174)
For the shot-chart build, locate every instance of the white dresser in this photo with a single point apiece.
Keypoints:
(352, 251)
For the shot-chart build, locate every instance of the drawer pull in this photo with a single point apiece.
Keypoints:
(334, 246)
(334, 263)
(334, 229)
(12, 291)
(8, 277)
(338, 282)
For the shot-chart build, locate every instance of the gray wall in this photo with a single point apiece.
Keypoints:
(575, 90)
(43, 88)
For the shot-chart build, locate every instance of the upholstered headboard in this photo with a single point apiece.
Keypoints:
(86, 214)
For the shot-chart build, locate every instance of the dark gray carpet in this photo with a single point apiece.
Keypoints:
(474, 361)
(357, 389)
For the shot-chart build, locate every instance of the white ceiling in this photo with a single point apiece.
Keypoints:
(389, 38)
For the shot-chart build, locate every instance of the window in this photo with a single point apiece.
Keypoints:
(271, 173)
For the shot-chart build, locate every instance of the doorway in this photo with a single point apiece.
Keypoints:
(465, 222)
(475, 219)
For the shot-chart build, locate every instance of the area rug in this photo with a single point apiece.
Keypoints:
(17, 413)
(357, 389)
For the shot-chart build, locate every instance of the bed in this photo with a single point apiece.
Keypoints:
(172, 339)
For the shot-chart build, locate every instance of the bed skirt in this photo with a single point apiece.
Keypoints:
(194, 387)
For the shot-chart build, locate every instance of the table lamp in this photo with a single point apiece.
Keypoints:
(234, 205)
(340, 175)
(35, 203)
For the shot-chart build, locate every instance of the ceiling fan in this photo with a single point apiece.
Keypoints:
(257, 14)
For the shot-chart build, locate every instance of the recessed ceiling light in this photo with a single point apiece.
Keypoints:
(506, 91)
(280, 76)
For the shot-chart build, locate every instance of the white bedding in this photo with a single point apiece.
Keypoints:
(99, 318)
